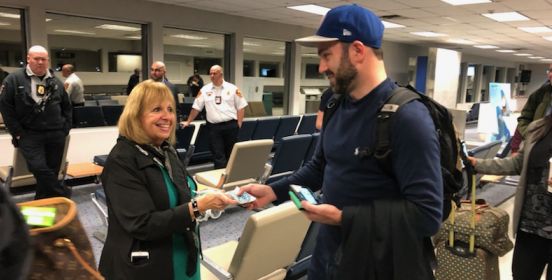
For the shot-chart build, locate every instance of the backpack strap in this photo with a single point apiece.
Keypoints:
(399, 96)
(331, 107)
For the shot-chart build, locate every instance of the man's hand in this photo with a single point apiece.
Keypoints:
(263, 193)
(322, 213)
(184, 124)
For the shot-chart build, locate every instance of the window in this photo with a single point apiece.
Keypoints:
(311, 71)
(83, 42)
(248, 68)
(268, 69)
(188, 52)
(202, 65)
(12, 44)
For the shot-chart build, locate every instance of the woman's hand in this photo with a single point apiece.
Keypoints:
(472, 160)
(214, 200)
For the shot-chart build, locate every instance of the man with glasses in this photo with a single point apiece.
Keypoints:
(538, 106)
(224, 105)
(158, 73)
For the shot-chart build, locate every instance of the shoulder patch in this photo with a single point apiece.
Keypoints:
(2, 88)
(198, 94)
(238, 93)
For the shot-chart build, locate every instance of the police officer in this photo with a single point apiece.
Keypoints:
(37, 112)
(225, 105)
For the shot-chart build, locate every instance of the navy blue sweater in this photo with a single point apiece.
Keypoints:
(349, 180)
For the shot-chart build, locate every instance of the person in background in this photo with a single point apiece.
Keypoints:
(73, 85)
(532, 217)
(153, 231)
(38, 114)
(349, 45)
(224, 105)
(158, 73)
(539, 105)
(326, 95)
(133, 80)
(195, 83)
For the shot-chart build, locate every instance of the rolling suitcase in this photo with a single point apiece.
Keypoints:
(471, 240)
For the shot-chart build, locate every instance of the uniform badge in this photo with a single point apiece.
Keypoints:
(40, 90)
(238, 93)
(218, 100)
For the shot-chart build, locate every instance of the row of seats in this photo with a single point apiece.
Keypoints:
(252, 129)
(91, 116)
(119, 99)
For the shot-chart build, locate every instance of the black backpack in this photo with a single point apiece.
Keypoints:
(450, 146)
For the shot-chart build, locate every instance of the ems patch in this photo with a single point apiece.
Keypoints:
(238, 93)
(2, 88)
(198, 94)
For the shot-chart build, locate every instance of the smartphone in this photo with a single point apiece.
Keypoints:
(298, 193)
(244, 198)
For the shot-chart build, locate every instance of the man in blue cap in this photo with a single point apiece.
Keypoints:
(349, 45)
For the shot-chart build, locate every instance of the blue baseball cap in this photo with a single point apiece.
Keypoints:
(348, 23)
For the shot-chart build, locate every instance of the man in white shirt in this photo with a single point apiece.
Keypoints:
(73, 85)
(224, 105)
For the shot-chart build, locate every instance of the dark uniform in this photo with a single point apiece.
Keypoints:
(39, 112)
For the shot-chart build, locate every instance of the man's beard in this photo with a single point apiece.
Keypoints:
(344, 76)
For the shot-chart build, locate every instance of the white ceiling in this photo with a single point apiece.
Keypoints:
(457, 22)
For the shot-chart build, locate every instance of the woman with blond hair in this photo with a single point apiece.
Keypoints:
(153, 213)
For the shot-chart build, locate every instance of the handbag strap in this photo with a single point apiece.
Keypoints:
(65, 242)
(64, 221)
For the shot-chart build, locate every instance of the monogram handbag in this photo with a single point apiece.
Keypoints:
(61, 251)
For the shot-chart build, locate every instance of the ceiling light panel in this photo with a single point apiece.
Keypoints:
(508, 16)
(118, 27)
(486, 47)
(465, 2)
(388, 24)
(536, 29)
(9, 15)
(312, 9)
(506, 51)
(70, 31)
(428, 34)
(189, 37)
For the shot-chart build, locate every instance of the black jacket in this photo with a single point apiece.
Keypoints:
(140, 218)
(21, 112)
(380, 241)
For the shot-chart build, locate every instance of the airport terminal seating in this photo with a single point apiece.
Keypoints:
(265, 249)
(202, 152)
(288, 126)
(290, 154)
(246, 130)
(266, 128)
(245, 165)
(112, 113)
(307, 124)
(255, 109)
(312, 147)
(17, 174)
(88, 116)
(184, 137)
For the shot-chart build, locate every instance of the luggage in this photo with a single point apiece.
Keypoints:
(455, 264)
(471, 240)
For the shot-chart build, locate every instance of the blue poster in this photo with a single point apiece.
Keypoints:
(499, 98)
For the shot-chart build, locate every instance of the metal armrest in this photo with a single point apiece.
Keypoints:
(218, 271)
(100, 209)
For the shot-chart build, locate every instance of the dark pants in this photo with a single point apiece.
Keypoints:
(531, 254)
(223, 137)
(43, 152)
